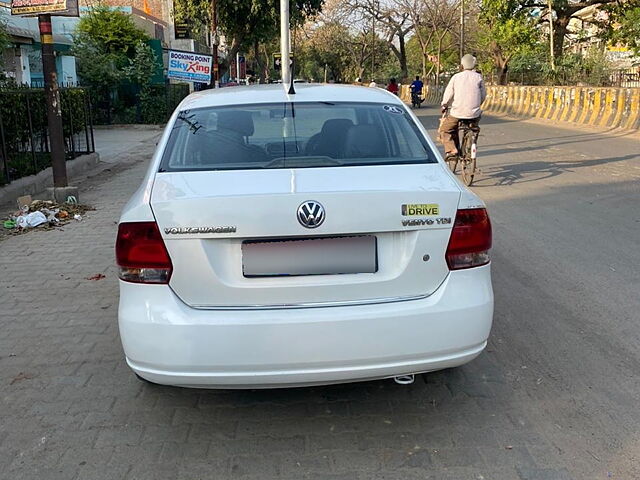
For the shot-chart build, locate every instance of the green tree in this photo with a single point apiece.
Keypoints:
(139, 71)
(104, 42)
(243, 22)
(622, 25)
(563, 12)
(507, 29)
(5, 39)
(330, 45)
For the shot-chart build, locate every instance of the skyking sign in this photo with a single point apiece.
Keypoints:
(189, 66)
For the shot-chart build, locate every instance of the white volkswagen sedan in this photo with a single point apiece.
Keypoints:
(300, 239)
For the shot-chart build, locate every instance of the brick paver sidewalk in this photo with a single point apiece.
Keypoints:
(71, 409)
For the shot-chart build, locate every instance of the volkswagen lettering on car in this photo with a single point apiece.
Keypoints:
(285, 239)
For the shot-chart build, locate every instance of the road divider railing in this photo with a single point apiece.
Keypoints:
(605, 107)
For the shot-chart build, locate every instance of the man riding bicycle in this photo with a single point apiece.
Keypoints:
(416, 91)
(463, 96)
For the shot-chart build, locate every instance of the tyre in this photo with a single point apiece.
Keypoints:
(452, 162)
(468, 163)
(468, 171)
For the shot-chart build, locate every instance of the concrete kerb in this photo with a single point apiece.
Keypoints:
(34, 184)
(130, 126)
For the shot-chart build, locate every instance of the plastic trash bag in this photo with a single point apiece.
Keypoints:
(31, 220)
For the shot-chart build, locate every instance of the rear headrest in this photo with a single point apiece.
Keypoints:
(237, 120)
(336, 126)
(365, 141)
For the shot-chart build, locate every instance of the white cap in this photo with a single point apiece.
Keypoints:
(468, 61)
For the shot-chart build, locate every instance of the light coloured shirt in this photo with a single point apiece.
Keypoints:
(464, 94)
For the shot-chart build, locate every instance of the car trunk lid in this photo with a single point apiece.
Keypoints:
(211, 220)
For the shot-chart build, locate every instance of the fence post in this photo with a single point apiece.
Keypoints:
(73, 146)
(33, 149)
(93, 143)
(86, 123)
(5, 160)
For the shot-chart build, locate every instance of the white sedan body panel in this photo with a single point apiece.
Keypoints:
(357, 200)
(168, 342)
(216, 326)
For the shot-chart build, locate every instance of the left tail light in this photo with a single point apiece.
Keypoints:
(141, 253)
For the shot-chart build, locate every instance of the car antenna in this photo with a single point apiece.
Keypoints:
(292, 90)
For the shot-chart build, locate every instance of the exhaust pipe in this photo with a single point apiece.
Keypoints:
(404, 379)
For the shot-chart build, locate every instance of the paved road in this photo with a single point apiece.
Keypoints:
(554, 397)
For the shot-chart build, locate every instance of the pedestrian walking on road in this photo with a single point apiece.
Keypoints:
(462, 97)
(393, 86)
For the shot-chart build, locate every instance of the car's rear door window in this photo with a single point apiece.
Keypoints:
(294, 135)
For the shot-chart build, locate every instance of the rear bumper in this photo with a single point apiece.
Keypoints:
(168, 342)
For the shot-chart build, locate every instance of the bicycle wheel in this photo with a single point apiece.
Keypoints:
(468, 163)
(452, 162)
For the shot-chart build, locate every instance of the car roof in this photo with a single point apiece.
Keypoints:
(275, 93)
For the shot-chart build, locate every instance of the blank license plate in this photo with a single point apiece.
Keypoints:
(310, 256)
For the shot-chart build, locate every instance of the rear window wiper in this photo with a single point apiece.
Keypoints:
(302, 162)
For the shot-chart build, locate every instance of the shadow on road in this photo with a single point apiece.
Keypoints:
(431, 121)
(524, 172)
(567, 140)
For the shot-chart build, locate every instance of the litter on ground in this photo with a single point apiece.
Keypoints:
(44, 214)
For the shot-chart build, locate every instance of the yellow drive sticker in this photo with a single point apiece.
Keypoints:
(420, 209)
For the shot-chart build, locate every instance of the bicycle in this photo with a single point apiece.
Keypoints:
(468, 150)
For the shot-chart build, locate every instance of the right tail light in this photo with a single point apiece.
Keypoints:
(470, 239)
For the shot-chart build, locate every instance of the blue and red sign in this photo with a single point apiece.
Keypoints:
(189, 66)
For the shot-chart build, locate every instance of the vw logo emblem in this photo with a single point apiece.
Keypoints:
(310, 214)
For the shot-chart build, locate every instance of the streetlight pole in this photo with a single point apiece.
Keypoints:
(285, 46)
(214, 43)
(54, 108)
(373, 43)
(461, 28)
(551, 45)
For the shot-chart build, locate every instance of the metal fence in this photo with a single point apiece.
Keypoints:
(625, 78)
(615, 78)
(128, 105)
(24, 136)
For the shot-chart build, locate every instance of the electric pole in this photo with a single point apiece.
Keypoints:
(54, 108)
(461, 28)
(214, 43)
(285, 47)
(373, 43)
(551, 45)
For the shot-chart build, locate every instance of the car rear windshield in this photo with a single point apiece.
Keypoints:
(294, 135)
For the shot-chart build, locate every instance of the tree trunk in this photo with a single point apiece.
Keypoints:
(424, 64)
(403, 56)
(502, 67)
(259, 67)
(502, 74)
(266, 65)
(231, 54)
(438, 65)
(560, 27)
